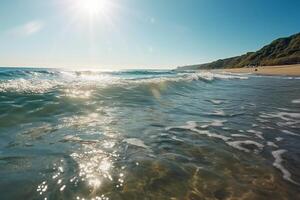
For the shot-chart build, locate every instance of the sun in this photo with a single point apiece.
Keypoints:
(91, 11)
(92, 7)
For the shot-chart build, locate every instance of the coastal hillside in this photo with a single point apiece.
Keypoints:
(283, 51)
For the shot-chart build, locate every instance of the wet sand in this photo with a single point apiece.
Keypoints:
(284, 70)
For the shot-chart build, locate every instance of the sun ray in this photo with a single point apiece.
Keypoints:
(92, 8)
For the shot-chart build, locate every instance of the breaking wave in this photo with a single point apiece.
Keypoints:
(41, 81)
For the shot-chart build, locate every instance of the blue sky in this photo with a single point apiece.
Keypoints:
(138, 33)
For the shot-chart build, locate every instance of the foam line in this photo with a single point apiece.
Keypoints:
(278, 164)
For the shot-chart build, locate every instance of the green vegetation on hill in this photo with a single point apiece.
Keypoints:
(283, 51)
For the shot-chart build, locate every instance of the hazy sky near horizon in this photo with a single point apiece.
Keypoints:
(116, 34)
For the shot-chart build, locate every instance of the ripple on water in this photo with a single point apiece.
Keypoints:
(107, 160)
(245, 145)
(216, 101)
(192, 126)
(286, 116)
(219, 113)
(257, 133)
(289, 132)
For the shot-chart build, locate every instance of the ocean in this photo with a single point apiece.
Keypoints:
(148, 134)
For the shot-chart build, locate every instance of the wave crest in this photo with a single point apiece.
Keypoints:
(41, 81)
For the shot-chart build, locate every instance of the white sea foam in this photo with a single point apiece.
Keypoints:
(239, 145)
(204, 126)
(223, 75)
(284, 109)
(76, 139)
(213, 135)
(28, 85)
(189, 125)
(236, 74)
(239, 135)
(192, 126)
(220, 113)
(290, 124)
(290, 132)
(136, 142)
(289, 119)
(262, 120)
(216, 102)
(287, 116)
(218, 123)
(296, 101)
(72, 138)
(267, 127)
(68, 79)
(278, 139)
(278, 164)
(177, 139)
(258, 134)
(207, 76)
(272, 144)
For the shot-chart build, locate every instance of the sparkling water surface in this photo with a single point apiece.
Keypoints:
(148, 135)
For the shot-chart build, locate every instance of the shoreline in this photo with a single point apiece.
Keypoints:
(279, 70)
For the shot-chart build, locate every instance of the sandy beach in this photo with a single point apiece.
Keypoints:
(283, 70)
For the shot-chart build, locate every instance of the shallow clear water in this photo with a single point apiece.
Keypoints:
(148, 135)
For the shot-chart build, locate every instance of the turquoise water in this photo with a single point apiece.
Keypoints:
(148, 135)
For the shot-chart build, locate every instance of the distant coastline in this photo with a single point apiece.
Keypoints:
(280, 52)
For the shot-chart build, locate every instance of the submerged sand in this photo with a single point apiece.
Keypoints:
(284, 70)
